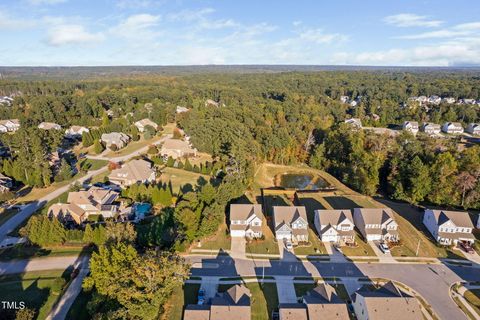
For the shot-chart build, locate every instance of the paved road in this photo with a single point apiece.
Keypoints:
(29, 209)
(41, 264)
(431, 281)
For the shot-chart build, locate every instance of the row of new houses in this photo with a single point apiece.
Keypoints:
(290, 223)
(428, 127)
(437, 100)
(385, 302)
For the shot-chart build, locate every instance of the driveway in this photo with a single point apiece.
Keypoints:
(473, 257)
(285, 255)
(286, 290)
(383, 257)
(334, 253)
(237, 247)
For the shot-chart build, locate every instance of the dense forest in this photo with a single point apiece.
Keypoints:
(282, 117)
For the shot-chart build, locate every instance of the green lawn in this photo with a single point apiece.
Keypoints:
(92, 164)
(27, 252)
(314, 246)
(362, 248)
(181, 178)
(181, 296)
(264, 299)
(266, 246)
(133, 146)
(473, 297)
(220, 241)
(39, 290)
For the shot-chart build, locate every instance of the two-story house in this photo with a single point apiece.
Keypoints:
(452, 127)
(411, 126)
(246, 220)
(449, 227)
(9, 125)
(473, 128)
(335, 226)
(431, 128)
(135, 171)
(290, 223)
(376, 224)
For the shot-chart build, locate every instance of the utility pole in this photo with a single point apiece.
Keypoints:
(418, 247)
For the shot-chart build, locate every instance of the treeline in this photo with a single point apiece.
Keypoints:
(414, 169)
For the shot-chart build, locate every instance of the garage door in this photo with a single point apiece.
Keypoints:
(237, 233)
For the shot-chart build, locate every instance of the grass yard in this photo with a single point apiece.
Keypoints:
(473, 297)
(133, 146)
(362, 248)
(180, 178)
(181, 296)
(39, 290)
(92, 164)
(315, 246)
(264, 298)
(267, 246)
(220, 241)
(100, 177)
(27, 251)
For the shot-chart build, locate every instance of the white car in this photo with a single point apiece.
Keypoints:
(288, 245)
(384, 248)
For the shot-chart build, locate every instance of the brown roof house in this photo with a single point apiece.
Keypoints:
(81, 204)
(135, 171)
(177, 148)
(246, 220)
(290, 223)
(322, 302)
(141, 124)
(449, 227)
(376, 223)
(386, 302)
(335, 226)
(231, 304)
(119, 139)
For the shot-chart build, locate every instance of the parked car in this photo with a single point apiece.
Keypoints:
(383, 246)
(201, 297)
(288, 245)
(466, 247)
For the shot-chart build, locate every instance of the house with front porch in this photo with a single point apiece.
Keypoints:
(449, 227)
(246, 220)
(335, 226)
(376, 224)
(411, 126)
(290, 223)
(452, 127)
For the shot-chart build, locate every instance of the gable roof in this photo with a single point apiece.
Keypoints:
(286, 215)
(49, 125)
(292, 311)
(323, 293)
(196, 312)
(94, 196)
(375, 215)
(245, 211)
(459, 218)
(177, 144)
(146, 122)
(334, 217)
(138, 170)
(455, 124)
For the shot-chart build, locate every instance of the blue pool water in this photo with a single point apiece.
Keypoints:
(141, 210)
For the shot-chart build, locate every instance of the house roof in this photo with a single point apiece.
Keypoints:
(245, 211)
(389, 302)
(334, 217)
(138, 170)
(236, 295)
(414, 124)
(327, 311)
(455, 124)
(323, 293)
(59, 209)
(115, 137)
(94, 196)
(196, 312)
(77, 129)
(286, 215)
(376, 215)
(146, 122)
(177, 144)
(431, 125)
(6, 121)
(459, 218)
(292, 311)
(49, 125)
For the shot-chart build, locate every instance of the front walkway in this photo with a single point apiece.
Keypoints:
(285, 289)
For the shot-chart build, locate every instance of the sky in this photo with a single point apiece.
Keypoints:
(201, 32)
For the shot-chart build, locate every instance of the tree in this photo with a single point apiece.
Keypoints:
(188, 165)
(317, 158)
(140, 284)
(98, 147)
(42, 231)
(152, 149)
(134, 133)
(65, 171)
(113, 147)
(466, 182)
(25, 314)
(170, 162)
(120, 232)
(443, 174)
(105, 120)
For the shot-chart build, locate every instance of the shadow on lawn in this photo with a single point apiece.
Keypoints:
(310, 204)
(339, 202)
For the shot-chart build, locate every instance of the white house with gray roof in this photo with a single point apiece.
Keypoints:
(246, 220)
(290, 223)
(335, 226)
(119, 139)
(449, 227)
(431, 128)
(411, 126)
(452, 127)
(473, 128)
(376, 224)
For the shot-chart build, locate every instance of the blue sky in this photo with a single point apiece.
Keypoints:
(182, 32)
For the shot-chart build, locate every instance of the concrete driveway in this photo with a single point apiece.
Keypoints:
(383, 257)
(285, 255)
(334, 253)
(286, 290)
(237, 247)
(473, 257)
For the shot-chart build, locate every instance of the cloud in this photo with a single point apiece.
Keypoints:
(320, 37)
(190, 15)
(135, 4)
(67, 34)
(7, 22)
(411, 20)
(45, 2)
(137, 26)
(459, 30)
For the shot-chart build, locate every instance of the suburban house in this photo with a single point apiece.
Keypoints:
(81, 204)
(386, 302)
(335, 226)
(135, 171)
(6, 100)
(9, 125)
(344, 99)
(452, 127)
(322, 302)
(449, 227)
(290, 223)
(76, 131)
(181, 109)
(246, 220)
(355, 122)
(376, 223)
(119, 139)
(49, 126)
(411, 126)
(434, 100)
(231, 304)
(177, 148)
(5, 183)
(473, 128)
(145, 122)
(430, 128)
